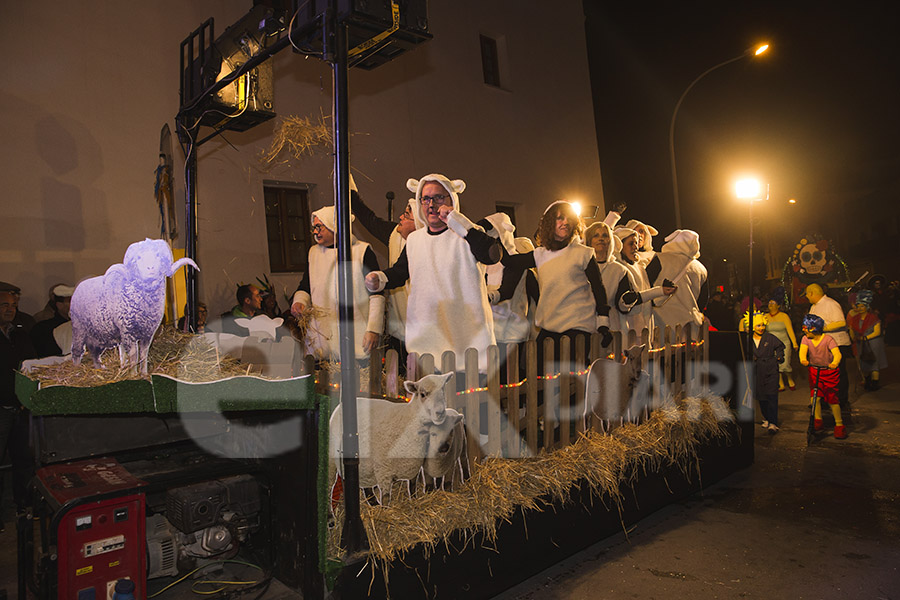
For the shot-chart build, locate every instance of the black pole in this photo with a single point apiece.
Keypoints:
(190, 225)
(353, 536)
(750, 307)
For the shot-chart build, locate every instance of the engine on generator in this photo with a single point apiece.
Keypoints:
(208, 520)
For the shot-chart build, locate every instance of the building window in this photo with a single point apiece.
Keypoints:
(490, 61)
(510, 210)
(287, 228)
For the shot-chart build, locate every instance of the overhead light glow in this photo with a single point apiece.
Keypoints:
(761, 49)
(576, 206)
(748, 188)
(792, 201)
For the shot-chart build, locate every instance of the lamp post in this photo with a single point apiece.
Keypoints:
(754, 51)
(750, 190)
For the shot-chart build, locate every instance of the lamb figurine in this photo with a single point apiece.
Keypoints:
(124, 307)
(394, 437)
(446, 457)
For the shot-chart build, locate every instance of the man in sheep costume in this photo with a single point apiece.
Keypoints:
(677, 261)
(319, 288)
(445, 265)
(640, 309)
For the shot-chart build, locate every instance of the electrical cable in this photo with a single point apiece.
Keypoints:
(206, 566)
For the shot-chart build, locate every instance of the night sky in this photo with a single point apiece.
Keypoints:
(815, 117)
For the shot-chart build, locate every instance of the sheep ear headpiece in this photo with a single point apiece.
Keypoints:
(503, 229)
(454, 187)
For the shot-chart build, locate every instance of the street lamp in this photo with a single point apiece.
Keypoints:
(750, 190)
(753, 51)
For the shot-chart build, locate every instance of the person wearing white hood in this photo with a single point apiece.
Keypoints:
(617, 280)
(646, 232)
(677, 261)
(445, 265)
(641, 318)
(572, 299)
(511, 322)
(319, 289)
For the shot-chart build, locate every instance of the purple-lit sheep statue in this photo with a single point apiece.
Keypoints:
(125, 306)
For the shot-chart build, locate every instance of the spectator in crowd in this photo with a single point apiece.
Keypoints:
(319, 290)
(22, 319)
(768, 352)
(444, 262)
(836, 327)
(779, 325)
(202, 315)
(866, 332)
(249, 303)
(719, 312)
(15, 346)
(42, 333)
(820, 353)
(572, 299)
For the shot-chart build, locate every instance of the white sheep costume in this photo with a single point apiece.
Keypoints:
(678, 263)
(448, 307)
(323, 338)
(641, 315)
(511, 324)
(645, 252)
(611, 273)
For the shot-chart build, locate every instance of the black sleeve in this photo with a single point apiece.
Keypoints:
(486, 249)
(532, 289)
(381, 229)
(703, 296)
(653, 270)
(514, 266)
(399, 272)
(370, 263)
(593, 276)
(304, 283)
(624, 294)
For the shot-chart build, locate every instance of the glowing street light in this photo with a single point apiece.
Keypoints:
(750, 189)
(753, 51)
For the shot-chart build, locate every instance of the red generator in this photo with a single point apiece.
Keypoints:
(97, 528)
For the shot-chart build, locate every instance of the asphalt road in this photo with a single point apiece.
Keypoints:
(819, 521)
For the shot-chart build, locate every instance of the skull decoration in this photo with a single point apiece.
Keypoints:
(812, 259)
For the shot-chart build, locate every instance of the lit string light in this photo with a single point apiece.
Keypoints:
(548, 377)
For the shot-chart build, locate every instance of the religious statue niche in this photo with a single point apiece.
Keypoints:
(813, 261)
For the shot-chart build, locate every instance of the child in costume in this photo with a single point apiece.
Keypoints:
(820, 353)
(780, 326)
(768, 351)
(868, 341)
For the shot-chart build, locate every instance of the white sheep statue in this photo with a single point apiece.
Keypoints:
(613, 387)
(446, 457)
(394, 437)
(124, 307)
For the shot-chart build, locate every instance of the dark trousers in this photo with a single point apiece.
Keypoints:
(14, 444)
(768, 406)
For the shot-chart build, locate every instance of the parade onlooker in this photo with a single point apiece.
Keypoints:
(820, 353)
(249, 303)
(15, 346)
(865, 329)
(768, 352)
(42, 333)
(835, 326)
(779, 325)
(21, 319)
(202, 316)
